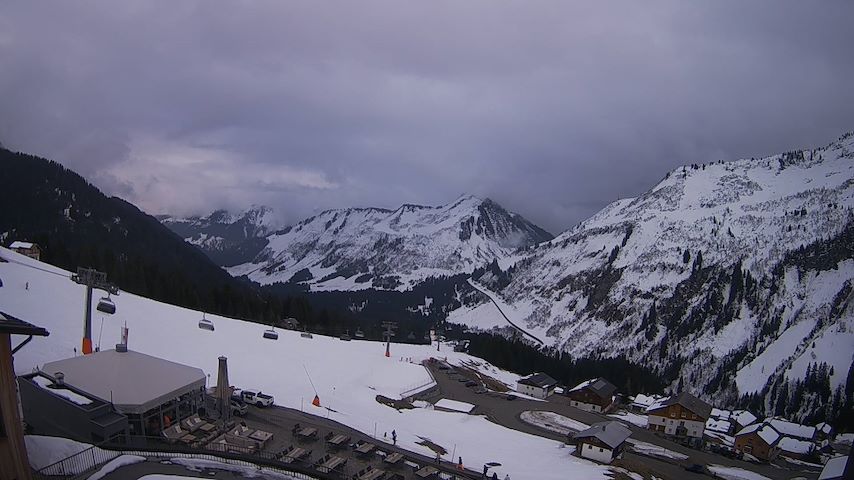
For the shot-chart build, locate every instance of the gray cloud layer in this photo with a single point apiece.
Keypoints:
(553, 109)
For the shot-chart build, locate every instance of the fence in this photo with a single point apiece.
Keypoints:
(85, 463)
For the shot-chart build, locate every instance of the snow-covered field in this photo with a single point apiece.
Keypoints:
(348, 375)
(733, 473)
(552, 421)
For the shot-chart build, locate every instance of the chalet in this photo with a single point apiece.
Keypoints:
(595, 395)
(29, 249)
(728, 422)
(538, 385)
(602, 442)
(682, 416)
(13, 452)
(759, 440)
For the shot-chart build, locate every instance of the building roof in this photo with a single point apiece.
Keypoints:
(824, 427)
(834, 468)
(132, 381)
(792, 429)
(793, 445)
(720, 425)
(609, 433)
(539, 380)
(14, 325)
(766, 432)
(644, 401)
(688, 401)
(601, 387)
(18, 244)
(743, 418)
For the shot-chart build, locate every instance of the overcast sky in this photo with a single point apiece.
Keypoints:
(553, 109)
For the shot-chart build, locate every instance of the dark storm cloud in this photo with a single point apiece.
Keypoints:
(552, 108)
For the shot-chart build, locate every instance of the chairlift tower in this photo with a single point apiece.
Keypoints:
(389, 332)
(91, 278)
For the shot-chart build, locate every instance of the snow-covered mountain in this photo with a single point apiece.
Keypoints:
(357, 248)
(730, 276)
(228, 239)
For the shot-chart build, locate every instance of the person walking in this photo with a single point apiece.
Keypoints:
(394, 437)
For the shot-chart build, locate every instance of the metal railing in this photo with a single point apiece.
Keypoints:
(83, 464)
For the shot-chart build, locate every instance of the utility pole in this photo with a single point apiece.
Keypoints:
(389, 332)
(91, 278)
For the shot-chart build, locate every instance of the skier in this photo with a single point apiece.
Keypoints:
(507, 477)
(394, 437)
(494, 476)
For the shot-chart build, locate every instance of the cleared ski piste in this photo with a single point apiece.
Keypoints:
(348, 375)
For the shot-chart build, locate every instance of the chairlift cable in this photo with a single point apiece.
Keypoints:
(309, 379)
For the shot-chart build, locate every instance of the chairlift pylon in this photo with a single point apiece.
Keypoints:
(359, 333)
(206, 324)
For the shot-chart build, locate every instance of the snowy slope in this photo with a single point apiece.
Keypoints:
(348, 375)
(360, 248)
(629, 281)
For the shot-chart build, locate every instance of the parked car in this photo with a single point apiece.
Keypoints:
(256, 398)
(697, 468)
(510, 398)
(471, 383)
(238, 407)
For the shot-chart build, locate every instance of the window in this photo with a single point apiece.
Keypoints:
(589, 447)
(684, 415)
(600, 450)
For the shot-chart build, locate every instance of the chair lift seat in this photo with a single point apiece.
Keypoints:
(105, 305)
(206, 324)
(271, 334)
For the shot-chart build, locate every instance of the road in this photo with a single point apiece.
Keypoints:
(507, 413)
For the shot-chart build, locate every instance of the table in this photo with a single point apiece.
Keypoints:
(338, 439)
(307, 432)
(294, 455)
(365, 448)
(426, 472)
(372, 475)
(393, 458)
(207, 427)
(330, 464)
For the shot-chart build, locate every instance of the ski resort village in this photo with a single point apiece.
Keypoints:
(444, 240)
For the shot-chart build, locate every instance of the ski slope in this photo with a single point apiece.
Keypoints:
(348, 375)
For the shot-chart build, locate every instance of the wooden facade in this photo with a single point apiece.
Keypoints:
(589, 397)
(676, 420)
(753, 444)
(14, 464)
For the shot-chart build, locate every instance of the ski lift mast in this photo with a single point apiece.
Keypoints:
(389, 332)
(91, 278)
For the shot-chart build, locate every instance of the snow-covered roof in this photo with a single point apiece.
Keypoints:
(793, 445)
(687, 400)
(644, 401)
(743, 417)
(718, 425)
(609, 433)
(824, 427)
(50, 386)
(540, 380)
(133, 381)
(599, 386)
(792, 429)
(766, 432)
(834, 468)
(722, 414)
(18, 244)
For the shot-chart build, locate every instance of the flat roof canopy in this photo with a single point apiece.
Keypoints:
(133, 381)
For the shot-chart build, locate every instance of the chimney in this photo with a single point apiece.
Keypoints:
(223, 392)
(123, 345)
(59, 378)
